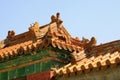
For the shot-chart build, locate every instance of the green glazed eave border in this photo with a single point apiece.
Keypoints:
(39, 54)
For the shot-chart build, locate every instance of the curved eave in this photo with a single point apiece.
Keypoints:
(101, 62)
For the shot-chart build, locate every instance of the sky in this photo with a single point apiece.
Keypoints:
(98, 18)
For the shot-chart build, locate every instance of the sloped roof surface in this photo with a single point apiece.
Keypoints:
(102, 56)
(86, 54)
(38, 37)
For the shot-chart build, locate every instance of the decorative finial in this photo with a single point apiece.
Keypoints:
(11, 34)
(53, 19)
(56, 18)
(58, 15)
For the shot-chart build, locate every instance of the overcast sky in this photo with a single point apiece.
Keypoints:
(99, 18)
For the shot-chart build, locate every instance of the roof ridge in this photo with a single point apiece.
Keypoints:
(107, 47)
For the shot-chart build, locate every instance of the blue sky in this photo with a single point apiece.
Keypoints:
(99, 18)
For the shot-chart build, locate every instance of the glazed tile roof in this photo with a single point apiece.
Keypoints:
(18, 49)
(102, 56)
(38, 37)
(86, 55)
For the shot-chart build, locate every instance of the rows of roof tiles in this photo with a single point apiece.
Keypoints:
(18, 49)
(28, 46)
(87, 64)
(65, 46)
